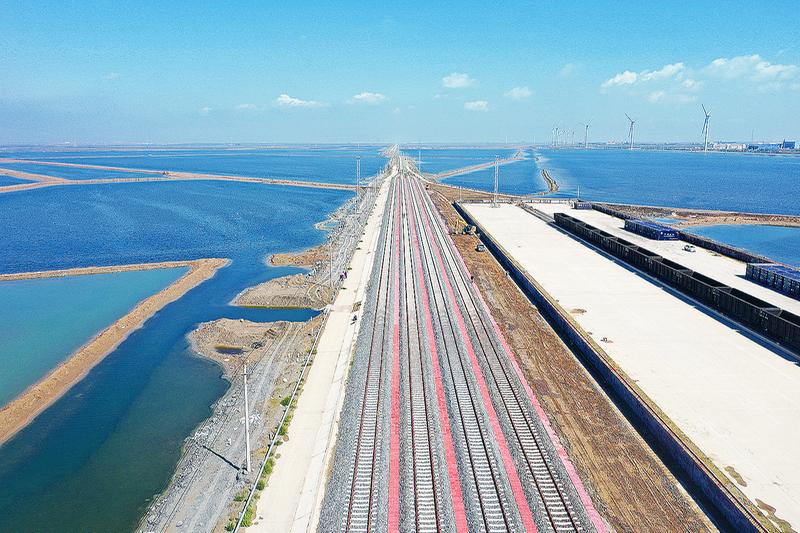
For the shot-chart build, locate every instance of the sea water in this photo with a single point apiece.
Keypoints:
(42, 321)
(436, 160)
(93, 460)
(723, 181)
(8, 180)
(779, 243)
(74, 173)
(331, 165)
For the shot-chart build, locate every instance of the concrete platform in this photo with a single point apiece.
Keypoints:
(735, 398)
(716, 266)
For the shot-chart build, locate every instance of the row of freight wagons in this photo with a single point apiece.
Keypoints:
(778, 324)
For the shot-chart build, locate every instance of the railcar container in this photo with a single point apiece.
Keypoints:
(753, 312)
(652, 230)
(779, 277)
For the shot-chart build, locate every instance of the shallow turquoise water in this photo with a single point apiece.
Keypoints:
(42, 321)
(779, 243)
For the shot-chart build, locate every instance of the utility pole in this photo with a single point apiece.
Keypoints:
(330, 265)
(496, 176)
(358, 178)
(246, 421)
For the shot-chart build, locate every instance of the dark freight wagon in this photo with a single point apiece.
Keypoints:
(652, 230)
(779, 277)
(761, 316)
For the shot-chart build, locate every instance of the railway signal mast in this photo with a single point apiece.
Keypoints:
(630, 130)
(705, 128)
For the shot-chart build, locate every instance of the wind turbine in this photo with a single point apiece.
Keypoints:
(705, 128)
(630, 130)
(586, 135)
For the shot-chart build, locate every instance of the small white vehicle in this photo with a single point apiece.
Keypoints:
(689, 248)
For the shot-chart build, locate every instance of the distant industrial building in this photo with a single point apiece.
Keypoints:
(729, 147)
(772, 147)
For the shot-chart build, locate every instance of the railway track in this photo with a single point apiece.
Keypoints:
(360, 508)
(435, 387)
(425, 495)
(551, 493)
(490, 500)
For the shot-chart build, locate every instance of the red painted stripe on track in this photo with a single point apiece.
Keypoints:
(583, 494)
(586, 500)
(511, 470)
(447, 434)
(394, 442)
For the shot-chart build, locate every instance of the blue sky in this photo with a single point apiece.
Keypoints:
(165, 72)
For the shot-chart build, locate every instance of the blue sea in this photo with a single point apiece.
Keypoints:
(8, 180)
(519, 177)
(120, 430)
(779, 243)
(327, 165)
(73, 173)
(725, 181)
(435, 160)
(41, 305)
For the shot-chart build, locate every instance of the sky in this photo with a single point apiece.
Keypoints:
(92, 72)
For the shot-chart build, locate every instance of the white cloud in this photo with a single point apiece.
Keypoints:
(477, 105)
(623, 78)
(673, 70)
(285, 100)
(112, 76)
(567, 70)
(457, 80)
(205, 110)
(692, 85)
(678, 83)
(518, 93)
(667, 71)
(246, 107)
(753, 68)
(369, 98)
(396, 111)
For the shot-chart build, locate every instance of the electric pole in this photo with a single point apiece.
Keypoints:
(496, 176)
(246, 421)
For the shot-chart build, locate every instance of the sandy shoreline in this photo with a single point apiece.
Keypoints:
(24, 408)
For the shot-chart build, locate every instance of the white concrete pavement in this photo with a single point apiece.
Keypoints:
(719, 267)
(292, 499)
(735, 398)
